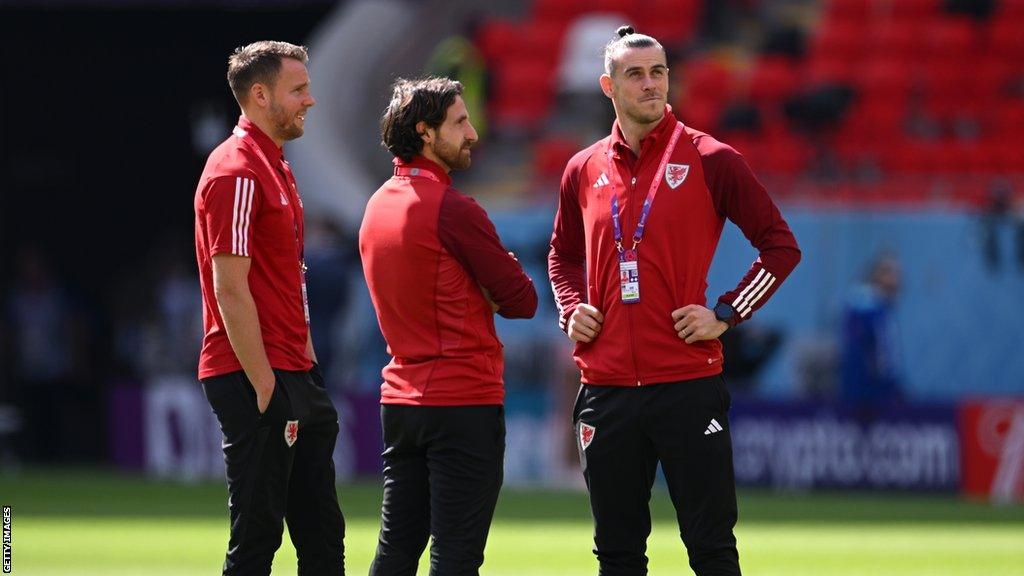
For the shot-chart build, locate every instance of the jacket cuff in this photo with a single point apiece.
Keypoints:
(563, 320)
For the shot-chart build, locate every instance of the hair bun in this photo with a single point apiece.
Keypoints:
(624, 31)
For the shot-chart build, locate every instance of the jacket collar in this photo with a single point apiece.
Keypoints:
(423, 163)
(658, 136)
(273, 151)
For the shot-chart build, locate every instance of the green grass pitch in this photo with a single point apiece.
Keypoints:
(92, 524)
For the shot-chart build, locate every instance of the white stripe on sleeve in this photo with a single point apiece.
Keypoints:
(763, 291)
(234, 217)
(736, 302)
(248, 211)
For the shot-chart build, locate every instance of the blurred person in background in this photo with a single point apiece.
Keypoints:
(871, 372)
(330, 259)
(746, 350)
(629, 274)
(456, 57)
(437, 273)
(1001, 210)
(48, 352)
(258, 367)
(171, 339)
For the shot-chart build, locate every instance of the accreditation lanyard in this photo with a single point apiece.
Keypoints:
(629, 270)
(296, 223)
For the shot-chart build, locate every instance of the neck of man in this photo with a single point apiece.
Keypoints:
(634, 132)
(428, 153)
(264, 124)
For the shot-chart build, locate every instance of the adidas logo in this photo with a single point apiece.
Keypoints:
(713, 427)
(602, 180)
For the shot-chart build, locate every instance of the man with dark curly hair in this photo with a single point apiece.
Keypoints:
(437, 273)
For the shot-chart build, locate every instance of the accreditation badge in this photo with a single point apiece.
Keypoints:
(629, 277)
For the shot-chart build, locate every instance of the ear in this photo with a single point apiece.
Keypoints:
(425, 132)
(606, 85)
(259, 95)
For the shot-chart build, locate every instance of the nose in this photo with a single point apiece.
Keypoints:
(310, 101)
(471, 134)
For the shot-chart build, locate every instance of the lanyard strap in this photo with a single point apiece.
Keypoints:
(406, 171)
(655, 184)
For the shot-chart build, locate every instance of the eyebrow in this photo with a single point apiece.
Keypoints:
(653, 68)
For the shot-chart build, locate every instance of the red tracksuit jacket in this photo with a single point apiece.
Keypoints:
(427, 251)
(638, 344)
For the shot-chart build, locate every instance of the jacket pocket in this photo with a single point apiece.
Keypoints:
(577, 407)
(723, 394)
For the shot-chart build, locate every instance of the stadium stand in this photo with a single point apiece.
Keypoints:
(922, 88)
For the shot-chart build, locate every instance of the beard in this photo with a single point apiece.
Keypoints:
(641, 114)
(455, 157)
(287, 127)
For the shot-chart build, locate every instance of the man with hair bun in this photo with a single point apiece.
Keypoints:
(437, 273)
(639, 217)
(257, 364)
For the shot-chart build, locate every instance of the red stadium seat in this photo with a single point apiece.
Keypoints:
(1011, 10)
(951, 37)
(830, 69)
(843, 39)
(871, 120)
(540, 41)
(707, 76)
(1006, 154)
(523, 92)
(672, 22)
(773, 79)
(629, 8)
(518, 114)
(885, 78)
(551, 154)
(902, 41)
(785, 153)
(850, 9)
(497, 39)
(908, 156)
(993, 77)
(1006, 38)
(905, 10)
(751, 147)
(700, 112)
(560, 12)
(1007, 120)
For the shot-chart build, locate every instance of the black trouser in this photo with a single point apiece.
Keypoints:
(443, 468)
(277, 472)
(628, 430)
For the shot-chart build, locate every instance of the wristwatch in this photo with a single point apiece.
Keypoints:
(725, 313)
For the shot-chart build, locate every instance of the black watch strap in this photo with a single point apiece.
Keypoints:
(725, 313)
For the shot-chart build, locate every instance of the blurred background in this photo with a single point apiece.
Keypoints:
(890, 132)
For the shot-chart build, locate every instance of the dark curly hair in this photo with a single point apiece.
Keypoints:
(412, 101)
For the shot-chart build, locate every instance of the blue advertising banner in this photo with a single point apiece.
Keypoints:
(803, 445)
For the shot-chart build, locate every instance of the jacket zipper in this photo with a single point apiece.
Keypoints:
(629, 311)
